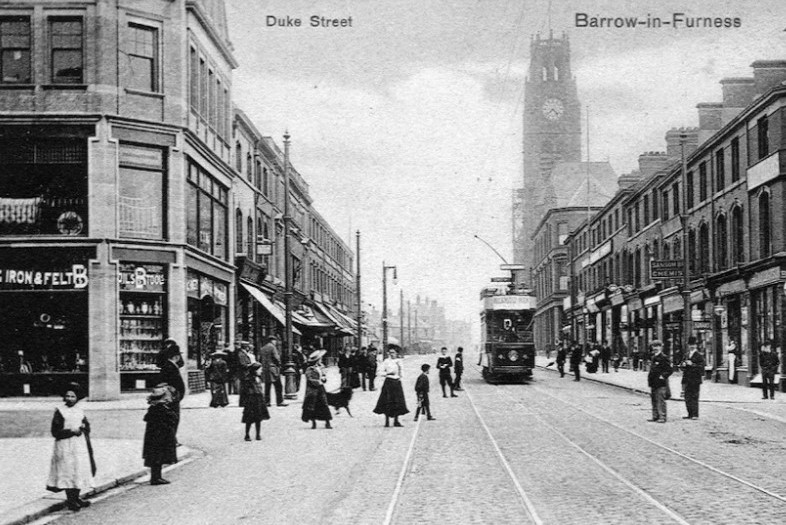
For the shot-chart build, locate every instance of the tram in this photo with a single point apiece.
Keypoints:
(507, 349)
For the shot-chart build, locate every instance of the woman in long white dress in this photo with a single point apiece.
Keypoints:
(72, 467)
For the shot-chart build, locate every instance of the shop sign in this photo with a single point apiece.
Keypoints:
(74, 278)
(702, 326)
(141, 277)
(667, 269)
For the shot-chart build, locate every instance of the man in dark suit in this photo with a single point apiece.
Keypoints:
(561, 358)
(658, 380)
(768, 362)
(270, 358)
(605, 356)
(575, 361)
(458, 369)
(692, 377)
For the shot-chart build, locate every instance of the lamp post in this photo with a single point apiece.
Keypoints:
(385, 305)
(290, 388)
(401, 319)
(686, 319)
(359, 340)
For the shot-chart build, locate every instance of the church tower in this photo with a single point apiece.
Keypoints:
(552, 134)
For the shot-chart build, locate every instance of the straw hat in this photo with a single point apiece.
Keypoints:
(315, 356)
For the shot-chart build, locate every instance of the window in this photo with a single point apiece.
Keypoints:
(194, 80)
(737, 236)
(250, 238)
(690, 186)
(211, 99)
(735, 159)
(203, 88)
(655, 209)
(765, 239)
(704, 248)
(646, 210)
(239, 157)
(616, 219)
(143, 57)
(666, 250)
(763, 137)
(665, 202)
(702, 182)
(675, 198)
(636, 218)
(720, 169)
(206, 213)
(249, 168)
(238, 232)
(65, 41)
(141, 192)
(15, 50)
(721, 242)
(677, 248)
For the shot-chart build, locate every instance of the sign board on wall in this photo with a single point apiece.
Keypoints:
(73, 278)
(667, 269)
(141, 277)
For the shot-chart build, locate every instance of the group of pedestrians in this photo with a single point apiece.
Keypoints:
(358, 367)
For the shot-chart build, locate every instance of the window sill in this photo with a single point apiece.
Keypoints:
(75, 87)
(143, 93)
(9, 85)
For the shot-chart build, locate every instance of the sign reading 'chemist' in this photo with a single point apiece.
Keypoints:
(74, 278)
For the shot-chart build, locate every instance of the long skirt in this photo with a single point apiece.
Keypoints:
(70, 465)
(391, 400)
(160, 442)
(255, 408)
(315, 406)
(219, 396)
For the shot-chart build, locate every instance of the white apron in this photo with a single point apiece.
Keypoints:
(70, 466)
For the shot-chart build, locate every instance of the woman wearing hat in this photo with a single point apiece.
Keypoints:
(391, 400)
(217, 375)
(254, 406)
(160, 444)
(72, 467)
(315, 406)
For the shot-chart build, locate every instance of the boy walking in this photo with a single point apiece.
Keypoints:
(421, 389)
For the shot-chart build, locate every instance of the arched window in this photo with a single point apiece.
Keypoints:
(721, 242)
(238, 232)
(250, 238)
(637, 268)
(239, 157)
(645, 269)
(692, 252)
(704, 248)
(737, 236)
(249, 168)
(765, 239)
(265, 181)
(677, 247)
(666, 250)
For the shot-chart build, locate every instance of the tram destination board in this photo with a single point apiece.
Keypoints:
(666, 269)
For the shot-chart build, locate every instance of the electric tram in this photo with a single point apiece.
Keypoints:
(507, 349)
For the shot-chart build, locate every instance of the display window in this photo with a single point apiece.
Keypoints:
(142, 315)
(207, 317)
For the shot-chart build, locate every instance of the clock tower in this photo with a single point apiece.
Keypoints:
(552, 134)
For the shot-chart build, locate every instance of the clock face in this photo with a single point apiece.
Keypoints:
(553, 108)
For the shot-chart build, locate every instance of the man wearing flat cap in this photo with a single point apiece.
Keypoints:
(658, 380)
(270, 358)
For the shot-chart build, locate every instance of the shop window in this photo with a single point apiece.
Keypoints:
(207, 213)
(721, 242)
(141, 192)
(43, 187)
(765, 239)
(66, 54)
(207, 317)
(15, 50)
(143, 57)
(142, 315)
(737, 236)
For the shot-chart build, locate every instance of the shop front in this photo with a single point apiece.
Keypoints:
(766, 321)
(207, 322)
(44, 308)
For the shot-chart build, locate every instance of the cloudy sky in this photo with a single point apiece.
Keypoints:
(408, 124)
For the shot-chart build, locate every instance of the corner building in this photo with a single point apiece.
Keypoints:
(118, 184)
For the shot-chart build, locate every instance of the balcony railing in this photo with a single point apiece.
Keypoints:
(43, 216)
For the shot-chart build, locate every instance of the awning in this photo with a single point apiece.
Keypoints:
(271, 306)
(307, 317)
(342, 322)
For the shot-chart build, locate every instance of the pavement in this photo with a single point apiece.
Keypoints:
(636, 380)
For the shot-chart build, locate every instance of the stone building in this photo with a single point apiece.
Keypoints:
(124, 169)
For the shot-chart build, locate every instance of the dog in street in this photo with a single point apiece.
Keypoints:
(340, 399)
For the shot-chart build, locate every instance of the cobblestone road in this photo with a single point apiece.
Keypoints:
(579, 452)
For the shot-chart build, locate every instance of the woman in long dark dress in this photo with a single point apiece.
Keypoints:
(391, 400)
(160, 444)
(315, 406)
(254, 406)
(218, 375)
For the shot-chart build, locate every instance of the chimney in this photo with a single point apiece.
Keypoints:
(628, 180)
(737, 95)
(673, 149)
(651, 162)
(710, 119)
(768, 74)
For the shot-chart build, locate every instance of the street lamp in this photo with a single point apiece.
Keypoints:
(385, 304)
(686, 315)
(290, 387)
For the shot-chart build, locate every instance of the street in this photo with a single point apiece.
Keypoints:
(551, 451)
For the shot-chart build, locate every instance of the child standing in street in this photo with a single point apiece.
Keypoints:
(421, 389)
(72, 467)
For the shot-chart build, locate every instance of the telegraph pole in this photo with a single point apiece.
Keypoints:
(401, 318)
(686, 320)
(290, 389)
(359, 339)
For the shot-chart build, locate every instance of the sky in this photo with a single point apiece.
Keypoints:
(408, 124)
